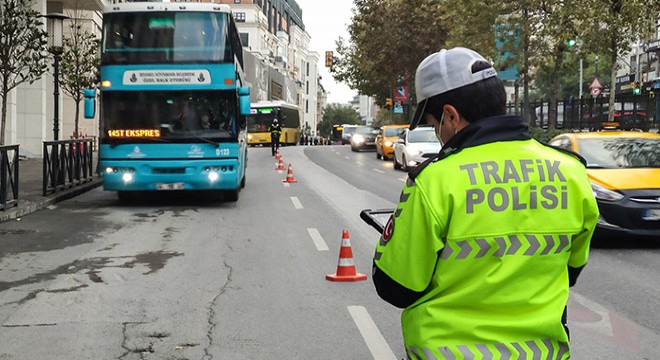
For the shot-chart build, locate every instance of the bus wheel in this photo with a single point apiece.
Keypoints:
(230, 195)
(243, 182)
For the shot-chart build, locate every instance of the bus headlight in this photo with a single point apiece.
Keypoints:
(213, 176)
(127, 177)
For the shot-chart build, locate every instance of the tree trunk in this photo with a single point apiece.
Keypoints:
(615, 49)
(554, 88)
(3, 123)
(77, 100)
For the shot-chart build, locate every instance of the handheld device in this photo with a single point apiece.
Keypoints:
(376, 218)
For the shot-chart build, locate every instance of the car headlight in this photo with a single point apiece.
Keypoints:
(602, 193)
(414, 152)
(357, 138)
(388, 143)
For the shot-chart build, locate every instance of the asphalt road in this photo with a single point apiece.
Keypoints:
(182, 277)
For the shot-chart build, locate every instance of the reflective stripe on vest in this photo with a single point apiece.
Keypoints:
(512, 245)
(544, 349)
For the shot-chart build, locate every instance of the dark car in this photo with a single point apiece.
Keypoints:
(363, 138)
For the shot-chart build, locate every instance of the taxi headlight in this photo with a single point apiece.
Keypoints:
(388, 143)
(602, 193)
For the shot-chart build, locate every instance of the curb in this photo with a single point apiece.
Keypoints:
(26, 207)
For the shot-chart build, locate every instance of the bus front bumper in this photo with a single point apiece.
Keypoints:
(170, 175)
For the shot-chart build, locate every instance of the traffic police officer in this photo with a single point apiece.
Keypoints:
(275, 130)
(489, 234)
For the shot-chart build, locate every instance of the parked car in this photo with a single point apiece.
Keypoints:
(414, 147)
(386, 138)
(363, 138)
(624, 170)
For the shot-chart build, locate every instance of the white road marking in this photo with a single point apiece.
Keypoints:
(347, 157)
(296, 202)
(379, 171)
(370, 333)
(359, 163)
(318, 239)
(286, 184)
(403, 179)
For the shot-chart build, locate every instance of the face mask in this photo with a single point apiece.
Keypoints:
(438, 133)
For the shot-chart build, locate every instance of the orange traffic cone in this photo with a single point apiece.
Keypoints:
(346, 266)
(289, 176)
(280, 164)
(277, 154)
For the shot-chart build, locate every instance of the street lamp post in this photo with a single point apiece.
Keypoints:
(56, 47)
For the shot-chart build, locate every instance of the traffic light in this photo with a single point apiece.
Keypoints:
(328, 59)
(571, 42)
(636, 88)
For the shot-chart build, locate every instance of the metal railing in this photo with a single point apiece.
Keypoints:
(8, 176)
(630, 112)
(67, 163)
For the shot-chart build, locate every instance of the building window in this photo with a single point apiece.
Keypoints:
(245, 39)
(237, 1)
(239, 16)
(307, 106)
(307, 69)
(307, 87)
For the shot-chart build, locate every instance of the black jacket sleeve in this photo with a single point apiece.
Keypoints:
(573, 274)
(393, 292)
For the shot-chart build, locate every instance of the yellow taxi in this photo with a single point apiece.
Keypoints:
(624, 170)
(386, 138)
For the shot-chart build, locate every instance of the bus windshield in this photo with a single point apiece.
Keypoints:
(166, 37)
(168, 115)
(260, 118)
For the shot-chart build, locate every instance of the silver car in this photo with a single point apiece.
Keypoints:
(414, 147)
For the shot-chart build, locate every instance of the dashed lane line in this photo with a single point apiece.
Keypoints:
(317, 239)
(296, 203)
(379, 171)
(359, 163)
(376, 343)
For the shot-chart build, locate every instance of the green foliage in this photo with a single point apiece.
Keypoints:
(385, 44)
(336, 114)
(544, 135)
(80, 62)
(23, 54)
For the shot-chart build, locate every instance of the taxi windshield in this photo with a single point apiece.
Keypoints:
(621, 152)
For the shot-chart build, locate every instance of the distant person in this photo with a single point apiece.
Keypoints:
(490, 233)
(275, 129)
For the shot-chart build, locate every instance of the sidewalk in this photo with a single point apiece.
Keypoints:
(30, 189)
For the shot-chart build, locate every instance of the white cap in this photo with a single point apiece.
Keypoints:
(444, 71)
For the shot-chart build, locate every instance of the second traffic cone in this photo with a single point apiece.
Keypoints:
(277, 154)
(346, 267)
(280, 164)
(289, 176)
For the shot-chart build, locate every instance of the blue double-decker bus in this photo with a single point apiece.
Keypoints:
(173, 100)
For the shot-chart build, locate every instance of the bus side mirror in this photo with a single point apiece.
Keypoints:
(90, 103)
(244, 100)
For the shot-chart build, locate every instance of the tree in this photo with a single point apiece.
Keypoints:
(80, 62)
(617, 24)
(388, 39)
(336, 114)
(23, 51)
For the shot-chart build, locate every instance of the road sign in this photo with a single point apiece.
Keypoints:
(595, 84)
(401, 94)
(595, 91)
